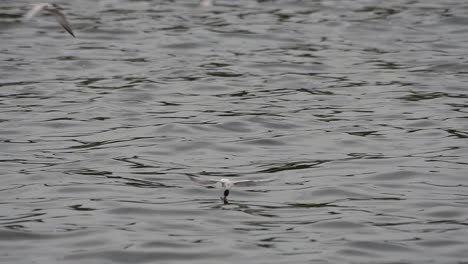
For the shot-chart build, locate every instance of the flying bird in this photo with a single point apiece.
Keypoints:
(226, 184)
(52, 9)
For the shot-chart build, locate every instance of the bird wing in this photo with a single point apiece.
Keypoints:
(33, 12)
(247, 183)
(202, 181)
(62, 20)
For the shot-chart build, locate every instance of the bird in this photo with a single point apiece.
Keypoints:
(52, 9)
(226, 184)
(206, 3)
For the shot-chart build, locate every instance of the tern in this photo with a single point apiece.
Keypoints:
(227, 184)
(52, 9)
(206, 3)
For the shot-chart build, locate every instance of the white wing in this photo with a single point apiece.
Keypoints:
(59, 16)
(247, 183)
(33, 12)
(226, 183)
(206, 182)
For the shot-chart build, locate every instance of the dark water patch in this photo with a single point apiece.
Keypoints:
(292, 166)
(225, 74)
(379, 246)
(358, 253)
(132, 211)
(8, 235)
(419, 96)
(80, 207)
(397, 176)
(339, 224)
(168, 244)
(235, 127)
(12, 222)
(439, 243)
(263, 142)
(445, 212)
(183, 46)
(331, 192)
(457, 134)
(133, 256)
(364, 133)
(76, 189)
(274, 123)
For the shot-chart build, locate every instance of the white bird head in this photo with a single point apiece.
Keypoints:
(224, 184)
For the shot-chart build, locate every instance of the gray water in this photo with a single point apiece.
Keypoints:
(356, 109)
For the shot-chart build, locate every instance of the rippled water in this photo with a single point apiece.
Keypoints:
(357, 109)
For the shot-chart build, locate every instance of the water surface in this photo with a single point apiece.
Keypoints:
(357, 109)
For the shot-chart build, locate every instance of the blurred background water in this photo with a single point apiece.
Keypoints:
(356, 108)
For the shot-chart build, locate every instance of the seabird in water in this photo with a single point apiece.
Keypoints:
(226, 184)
